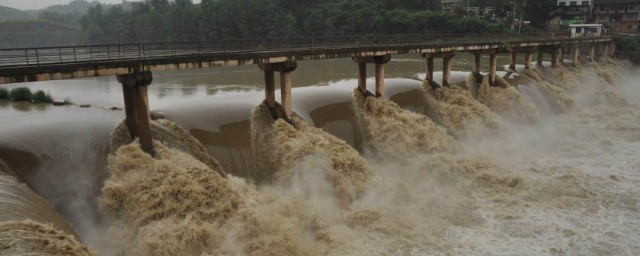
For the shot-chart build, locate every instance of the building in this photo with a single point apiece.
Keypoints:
(618, 16)
(570, 12)
(448, 4)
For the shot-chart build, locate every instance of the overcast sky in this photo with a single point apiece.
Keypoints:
(39, 4)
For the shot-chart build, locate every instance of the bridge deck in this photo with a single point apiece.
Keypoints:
(54, 63)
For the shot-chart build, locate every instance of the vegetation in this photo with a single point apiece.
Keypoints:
(25, 94)
(85, 22)
(41, 97)
(181, 20)
(20, 94)
(4, 94)
(629, 47)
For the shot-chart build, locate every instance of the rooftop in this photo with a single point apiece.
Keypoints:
(602, 2)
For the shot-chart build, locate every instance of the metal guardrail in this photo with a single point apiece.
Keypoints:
(126, 52)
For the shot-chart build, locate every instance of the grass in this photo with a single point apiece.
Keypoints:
(4, 94)
(20, 94)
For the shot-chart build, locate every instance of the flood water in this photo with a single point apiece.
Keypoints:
(540, 168)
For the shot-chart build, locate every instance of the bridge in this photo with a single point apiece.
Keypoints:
(133, 63)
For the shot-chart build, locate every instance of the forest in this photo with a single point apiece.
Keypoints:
(182, 20)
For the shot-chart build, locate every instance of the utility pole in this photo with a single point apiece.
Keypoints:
(513, 23)
(521, 12)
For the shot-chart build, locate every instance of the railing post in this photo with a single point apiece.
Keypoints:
(26, 55)
(60, 54)
(90, 53)
(75, 59)
(37, 58)
(109, 52)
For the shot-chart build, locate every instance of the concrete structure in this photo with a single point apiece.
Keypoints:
(618, 16)
(132, 64)
(585, 30)
(569, 12)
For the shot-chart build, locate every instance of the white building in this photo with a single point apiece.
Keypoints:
(575, 2)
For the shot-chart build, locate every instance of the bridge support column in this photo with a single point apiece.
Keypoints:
(512, 62)
(493, 67)
(285, 93)
(285, 69)
(592, 52)
(379, 79)
(476, 64)
(130, 106)
(446, 66)
(362, 77)
(605, 50)
(540, 56)
(429, 69)
(527, 59)
(379, 62)
(561, 52)
(137, 107)
(576, 55)
(270, 90)
(446, 69)
(554, 57)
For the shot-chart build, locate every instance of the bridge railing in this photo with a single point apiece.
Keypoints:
(128, 52)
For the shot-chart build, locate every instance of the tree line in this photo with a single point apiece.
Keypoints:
(182, 20)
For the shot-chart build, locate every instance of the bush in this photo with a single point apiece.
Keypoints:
(4, 94)
(20, 94)
(41, 97)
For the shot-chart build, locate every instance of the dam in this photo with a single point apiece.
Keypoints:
(455, 150)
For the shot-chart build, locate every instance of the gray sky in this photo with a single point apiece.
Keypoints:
(39, 4)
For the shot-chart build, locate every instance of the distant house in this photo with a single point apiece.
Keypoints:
(569, 12)
(619, 16)
(449, 4)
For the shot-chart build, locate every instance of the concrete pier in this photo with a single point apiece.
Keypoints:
(513, 59)
(379, 79)
(446, 66)
(592, 52)
(493, 67)
(285, 68)
(540, 56)
(379, 62)
(476, 64)
(129, 93)
(285, 93)
(554, 57)
(605, 50)
(362, 77)
(429, 69)
(527, 59)
(270, 90)
(446, 69)
(137, 107)
(576, 55)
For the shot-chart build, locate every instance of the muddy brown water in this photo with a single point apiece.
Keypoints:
(60, 153)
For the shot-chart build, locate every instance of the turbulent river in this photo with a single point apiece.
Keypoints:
(544, 163)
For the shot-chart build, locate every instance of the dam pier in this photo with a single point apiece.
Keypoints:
(133, 63)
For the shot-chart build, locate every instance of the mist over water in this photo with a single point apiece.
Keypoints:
(545, 164)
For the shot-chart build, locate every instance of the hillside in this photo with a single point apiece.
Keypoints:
(10, 14)
(76, 6)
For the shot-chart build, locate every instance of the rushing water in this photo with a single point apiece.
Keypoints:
(544, 166)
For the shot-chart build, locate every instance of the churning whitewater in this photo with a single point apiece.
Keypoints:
(487, 170)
